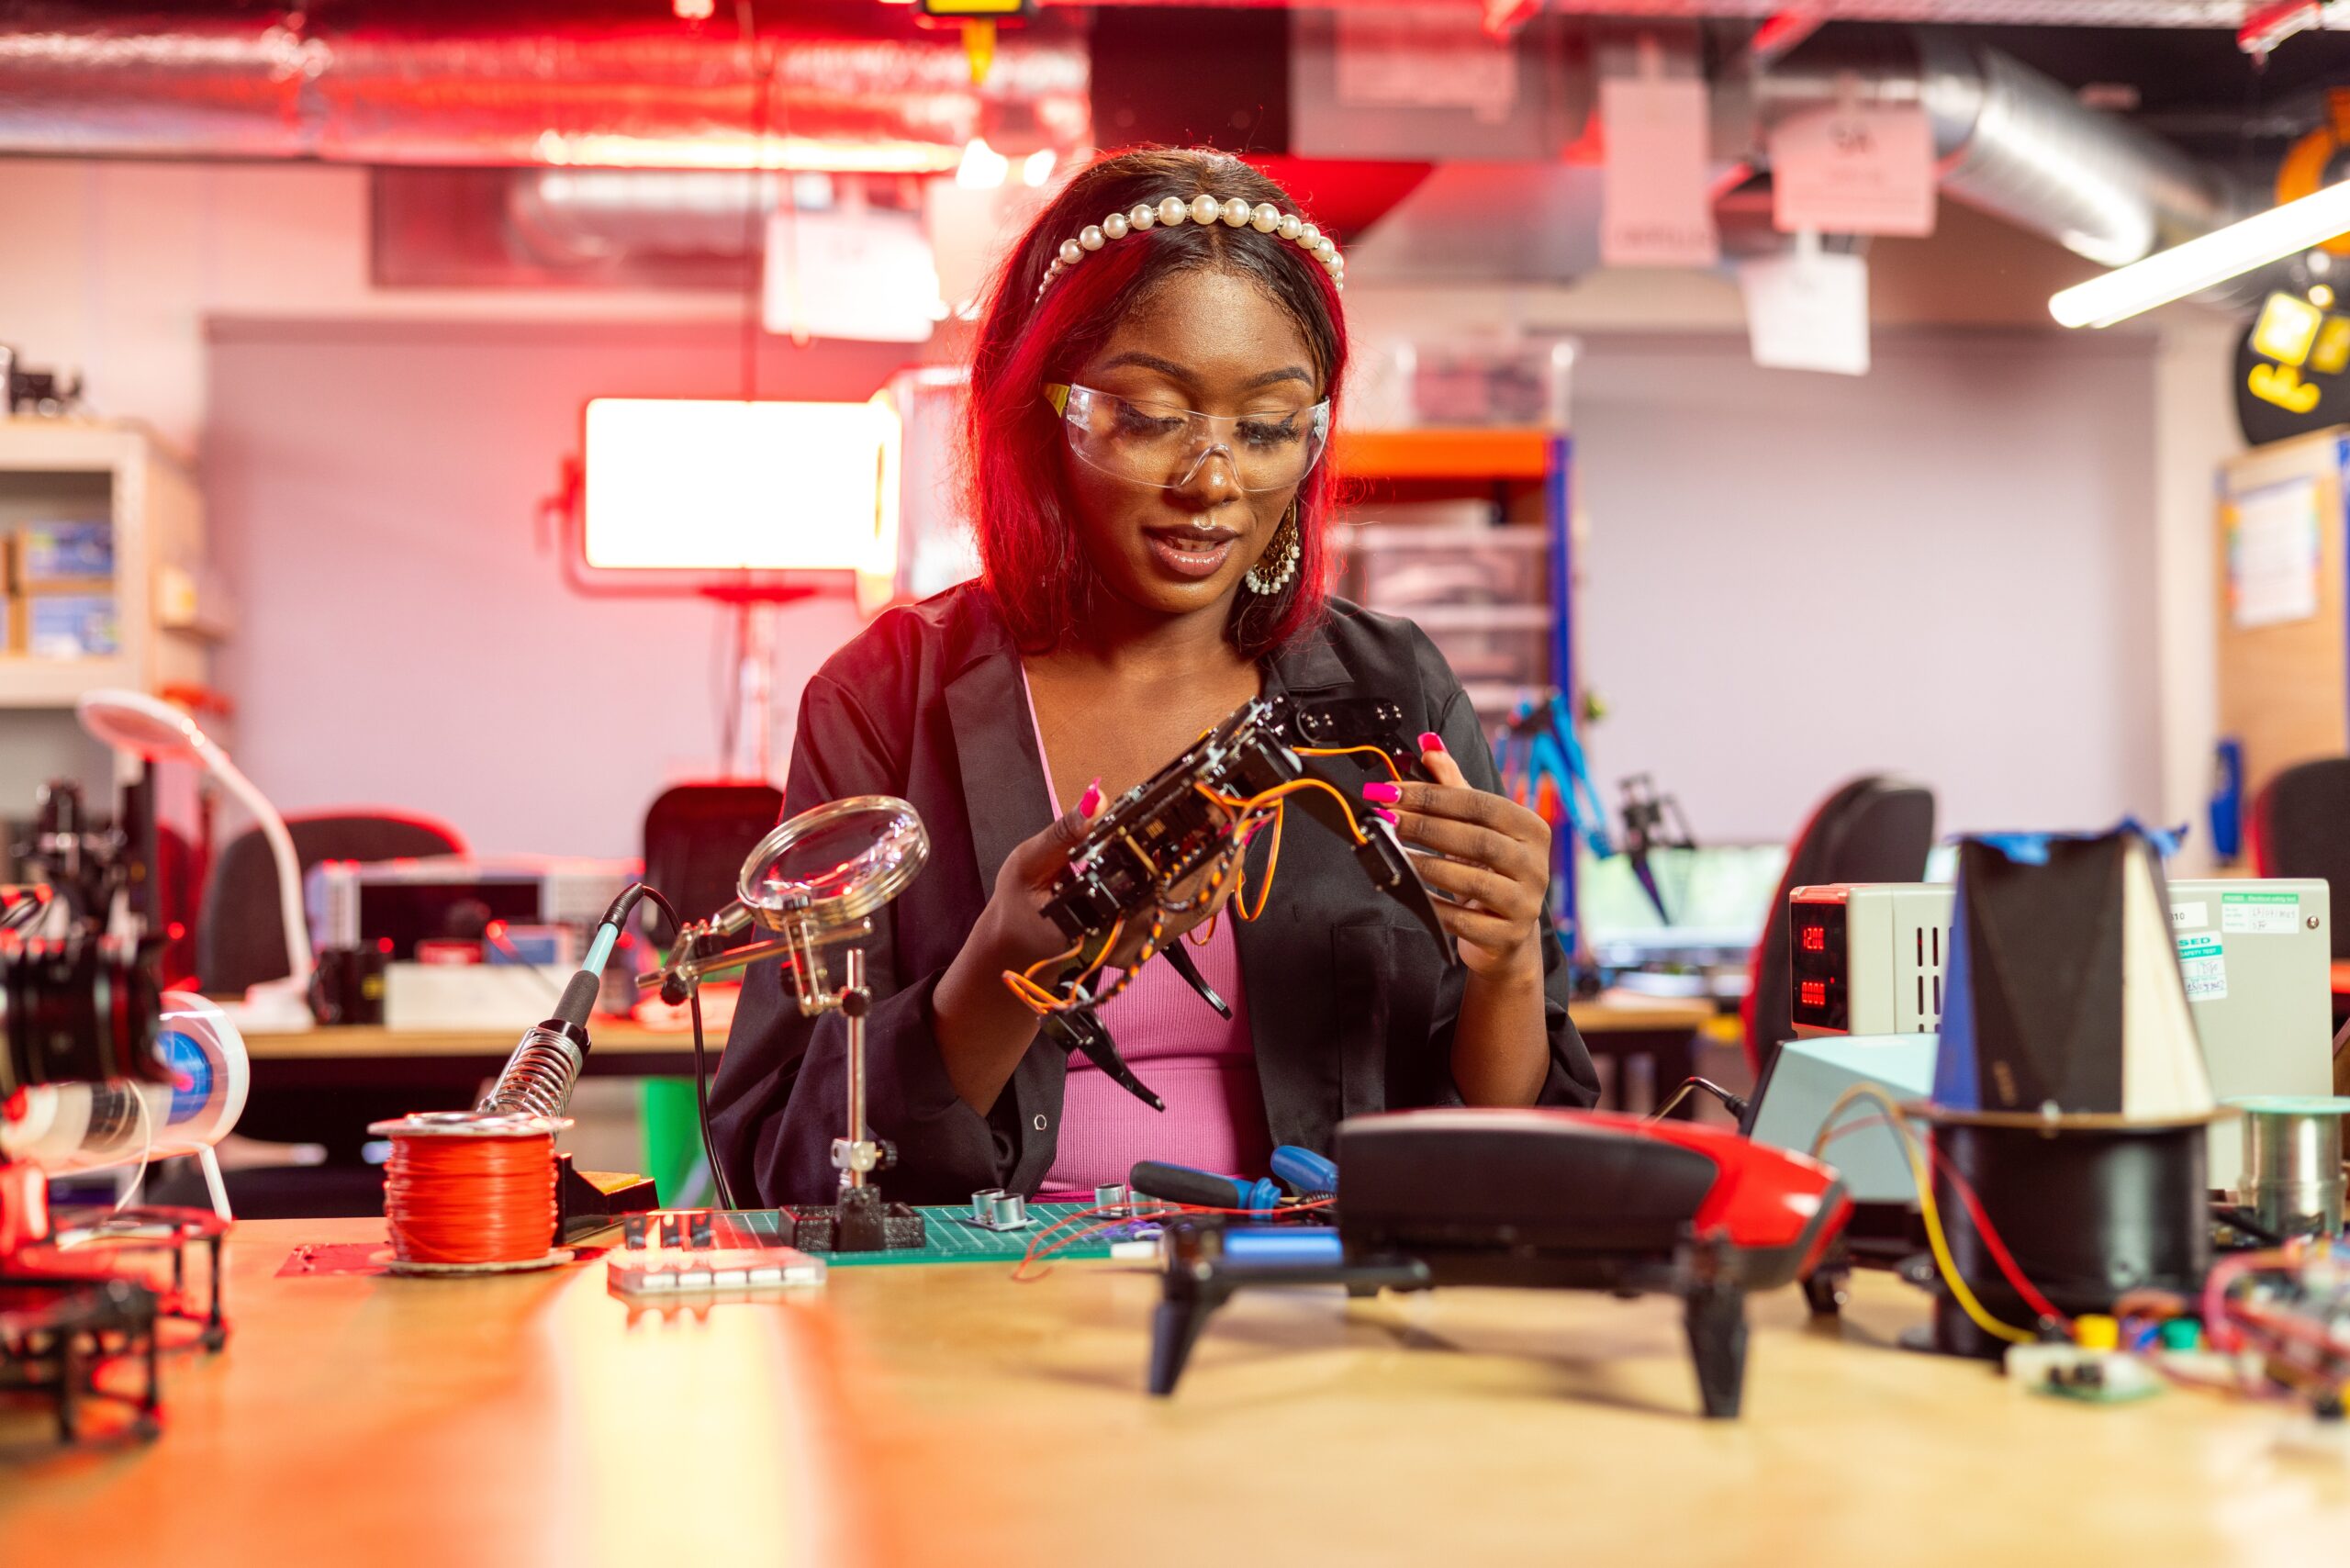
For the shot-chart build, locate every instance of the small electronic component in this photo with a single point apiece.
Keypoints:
(995, 1209)
(704, 1253)
(714, 1271)
(2077, 1373)
(1168, 846)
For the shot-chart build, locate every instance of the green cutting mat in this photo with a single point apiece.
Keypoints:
(949, 1240)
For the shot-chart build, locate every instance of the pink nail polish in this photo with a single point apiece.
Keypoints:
(1383, 814)
(1384, 793)
(1091, 801)
(1431, 740)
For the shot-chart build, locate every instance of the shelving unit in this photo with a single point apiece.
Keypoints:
(81, 470)
(1527, 474)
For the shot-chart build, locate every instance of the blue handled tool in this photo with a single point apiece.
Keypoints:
(1308, 1173)
(1181, 1184)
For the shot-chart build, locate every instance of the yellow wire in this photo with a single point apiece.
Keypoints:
(1906, 1137)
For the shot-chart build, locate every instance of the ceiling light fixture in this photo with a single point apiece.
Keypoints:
(2212, 258)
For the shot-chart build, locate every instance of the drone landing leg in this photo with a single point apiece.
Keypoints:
(1175, 1328)
(1715, 1317)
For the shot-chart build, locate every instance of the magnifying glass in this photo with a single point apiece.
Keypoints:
(814, 884)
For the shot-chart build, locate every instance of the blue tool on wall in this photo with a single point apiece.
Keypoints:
(2227, 801)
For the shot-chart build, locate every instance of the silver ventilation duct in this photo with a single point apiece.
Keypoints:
(830, 85)
(2016, 144)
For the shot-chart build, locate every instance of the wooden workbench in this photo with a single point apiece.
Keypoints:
(947, 1415)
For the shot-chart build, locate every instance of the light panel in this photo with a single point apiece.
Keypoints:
(720, 486)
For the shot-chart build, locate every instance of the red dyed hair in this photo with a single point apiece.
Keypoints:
(1019, 497)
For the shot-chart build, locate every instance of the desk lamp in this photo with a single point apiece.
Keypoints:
(151, 728)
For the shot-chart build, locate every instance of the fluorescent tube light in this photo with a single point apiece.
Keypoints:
(2213, 258)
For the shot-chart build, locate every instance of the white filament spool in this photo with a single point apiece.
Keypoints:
(90, 1126)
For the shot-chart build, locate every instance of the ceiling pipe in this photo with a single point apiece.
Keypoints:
(2013, 143)
(827, 85)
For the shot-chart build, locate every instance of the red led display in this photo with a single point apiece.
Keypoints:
(1815, 939)
(1813, 994)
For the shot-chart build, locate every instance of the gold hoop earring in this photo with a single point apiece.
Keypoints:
(1278, 564)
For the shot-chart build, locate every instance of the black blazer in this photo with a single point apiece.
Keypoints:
(1350, 1001)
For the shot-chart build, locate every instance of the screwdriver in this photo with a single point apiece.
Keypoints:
(1310, 1174)
(1181, 1184)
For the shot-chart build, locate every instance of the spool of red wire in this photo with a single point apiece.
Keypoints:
(466, 1192)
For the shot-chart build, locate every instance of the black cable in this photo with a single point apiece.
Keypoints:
(701, 1104)
(701, 1058)
(1735, 1105)
(515, 959)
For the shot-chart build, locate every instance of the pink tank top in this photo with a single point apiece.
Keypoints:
(1205, 1068)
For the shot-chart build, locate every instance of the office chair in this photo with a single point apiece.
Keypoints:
(241, 939)
(1872, 829)
(695, 838)
(2300, 827)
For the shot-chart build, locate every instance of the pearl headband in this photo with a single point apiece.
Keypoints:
(1264, 218)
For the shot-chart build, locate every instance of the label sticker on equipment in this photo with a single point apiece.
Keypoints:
(2204, 962)
(2190, 916)
(2260, 914)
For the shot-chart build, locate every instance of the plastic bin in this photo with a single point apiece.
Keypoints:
(1500, 645)
(1402, 568)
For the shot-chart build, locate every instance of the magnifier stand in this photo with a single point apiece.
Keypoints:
(800, 908)
(861, 1221)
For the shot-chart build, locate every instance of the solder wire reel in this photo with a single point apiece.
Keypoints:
(1190, 826)
(812, 885)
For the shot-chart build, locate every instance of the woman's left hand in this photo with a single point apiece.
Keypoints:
(1490, 865)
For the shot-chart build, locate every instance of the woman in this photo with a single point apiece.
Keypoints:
(1151, 392)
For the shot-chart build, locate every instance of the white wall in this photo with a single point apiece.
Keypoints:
(1943, 568)
(407, 638)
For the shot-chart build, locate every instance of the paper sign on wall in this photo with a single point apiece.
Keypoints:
(1807, 310)
(2273, 554)
(1853, 169)
(1655, 206)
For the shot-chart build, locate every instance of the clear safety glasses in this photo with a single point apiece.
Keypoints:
(1158, 444)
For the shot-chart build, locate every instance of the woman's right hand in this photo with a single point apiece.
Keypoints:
(1015, 924)
(982, 1029)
